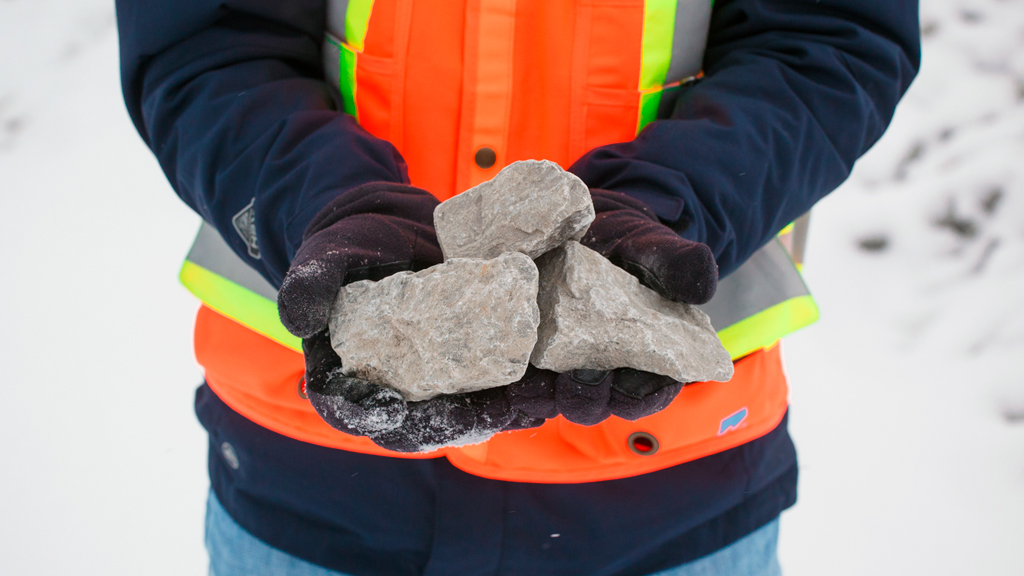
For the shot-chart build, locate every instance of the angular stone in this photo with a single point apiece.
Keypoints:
(531, 207)
(464, 325)
(596, 315)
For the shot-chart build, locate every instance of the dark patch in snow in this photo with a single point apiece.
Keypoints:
(913, 155)
(971, 16)
(1014, 415)
(873, 243)
(994, 336)
(947, 134)
(990, 202)
(70, 51)
(986, 255)
(11, 125)
(928, 29)
(963, 226)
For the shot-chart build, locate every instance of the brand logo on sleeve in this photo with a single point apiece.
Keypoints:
(245, 225)
(733, 421)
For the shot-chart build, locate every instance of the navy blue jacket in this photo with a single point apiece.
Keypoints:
(230, 97)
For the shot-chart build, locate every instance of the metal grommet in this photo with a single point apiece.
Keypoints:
(228, 452)
(485, 157)
(302, 389)
(642, 443)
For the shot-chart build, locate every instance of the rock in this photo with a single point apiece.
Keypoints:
(598, 316)
(464, 325)
(531, 207)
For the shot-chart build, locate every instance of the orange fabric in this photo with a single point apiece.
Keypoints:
(563, 452)
(259, 379)
(543, 61)
(432, 70)
(527, 78)
(493, 84)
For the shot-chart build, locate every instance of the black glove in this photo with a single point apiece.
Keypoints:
(367, 234)
(588, 397)
(626, 232)
(361, 408)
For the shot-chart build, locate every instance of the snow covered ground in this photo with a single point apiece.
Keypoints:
(908, 395)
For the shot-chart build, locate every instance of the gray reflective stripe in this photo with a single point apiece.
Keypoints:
(689, 38)
(767, 278)
(800, 228)
(332, 63)
(337, 10)
(212, 253)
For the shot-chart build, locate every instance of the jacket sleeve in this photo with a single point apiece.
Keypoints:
(229, 95)
(794, 92)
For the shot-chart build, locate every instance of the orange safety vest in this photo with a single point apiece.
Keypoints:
(463, 89)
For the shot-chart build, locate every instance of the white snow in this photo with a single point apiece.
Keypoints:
(908, 395)
(102, 462)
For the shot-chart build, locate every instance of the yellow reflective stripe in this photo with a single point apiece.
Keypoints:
(656, 55)
(260, 314)
(357, 20)
(242, 305)
(347, 80)
(347, 58)
(764, 328)
(649, 103)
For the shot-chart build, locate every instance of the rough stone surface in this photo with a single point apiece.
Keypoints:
(596, 315)
(464, 325)
(531, 207)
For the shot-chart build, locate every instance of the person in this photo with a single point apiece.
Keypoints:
(315, 137)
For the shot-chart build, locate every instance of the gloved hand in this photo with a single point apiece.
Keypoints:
(588, 397)
(626, 232)
(361, 408)
(367, 234)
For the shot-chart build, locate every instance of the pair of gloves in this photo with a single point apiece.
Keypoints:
(378, 229)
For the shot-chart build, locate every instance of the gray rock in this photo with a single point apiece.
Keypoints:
(531, 207)
(464, 325)
(596, 315)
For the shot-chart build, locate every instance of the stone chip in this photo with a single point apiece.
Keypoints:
(465, 325)
(598, 316)
(531, 206)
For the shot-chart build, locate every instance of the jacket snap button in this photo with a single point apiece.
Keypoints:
(302, 389)
(485, 157)
(642, 443)
(228, 452)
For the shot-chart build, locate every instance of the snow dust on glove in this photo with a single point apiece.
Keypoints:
(367, 233)
(628, 234)
(362, 408)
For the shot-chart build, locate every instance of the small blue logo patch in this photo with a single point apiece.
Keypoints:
(733, 421)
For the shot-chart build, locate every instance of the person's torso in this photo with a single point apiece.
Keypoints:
(464, 88)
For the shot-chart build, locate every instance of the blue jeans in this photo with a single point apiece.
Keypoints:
(235, 552)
